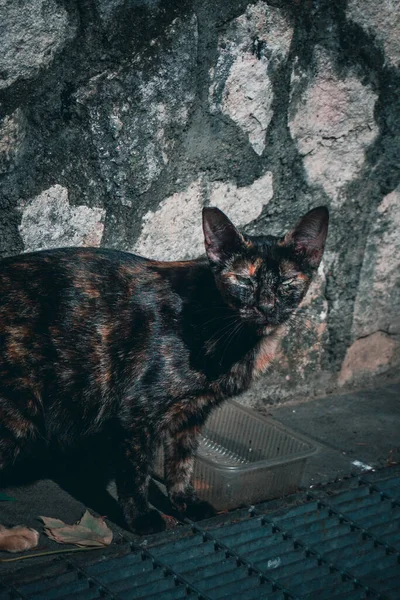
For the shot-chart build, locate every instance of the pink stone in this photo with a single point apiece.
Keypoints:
(367, 356)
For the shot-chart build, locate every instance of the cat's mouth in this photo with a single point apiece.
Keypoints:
(264, 325)
(254, 315)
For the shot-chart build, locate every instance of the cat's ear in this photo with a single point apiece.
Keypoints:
(309, 235)
(221, 238)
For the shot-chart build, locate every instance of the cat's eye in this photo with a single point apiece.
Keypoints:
(243, 280)
(288, 282)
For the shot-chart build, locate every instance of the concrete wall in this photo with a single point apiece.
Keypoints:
(122, 118)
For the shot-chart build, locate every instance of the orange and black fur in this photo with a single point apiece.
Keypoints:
(100, 344)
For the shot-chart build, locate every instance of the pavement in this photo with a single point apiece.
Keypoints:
(354, 433)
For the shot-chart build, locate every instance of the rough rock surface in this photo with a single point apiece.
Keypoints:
(382, 20)
(367, 356)
(31, 33)
(179, 216)
(12, 135)
(333, 126)
(241, 86)
(120, 120)
(378, 297)
(132, 111)
(48, 221)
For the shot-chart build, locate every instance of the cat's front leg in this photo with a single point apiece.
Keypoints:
(132, 482)
(180, 451)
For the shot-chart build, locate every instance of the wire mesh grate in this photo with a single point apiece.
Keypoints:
(334, 544)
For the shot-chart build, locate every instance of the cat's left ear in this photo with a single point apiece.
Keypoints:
(221, 237)
(309, 235)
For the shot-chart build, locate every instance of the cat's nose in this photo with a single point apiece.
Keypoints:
(267, 305)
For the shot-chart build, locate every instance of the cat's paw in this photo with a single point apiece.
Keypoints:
(141, 522)
(193, 508)
(150, 522)
(198, 510)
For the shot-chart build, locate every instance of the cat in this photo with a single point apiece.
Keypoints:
(103, 344)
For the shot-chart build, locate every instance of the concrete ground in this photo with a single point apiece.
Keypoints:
(354, 432)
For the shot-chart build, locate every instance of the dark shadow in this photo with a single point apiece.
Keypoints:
(88, 481)
(160, 500)
(85, 475)
(94, 495)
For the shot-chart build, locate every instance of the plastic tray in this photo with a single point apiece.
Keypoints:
(245, 458)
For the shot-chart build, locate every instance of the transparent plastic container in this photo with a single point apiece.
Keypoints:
(245, 458)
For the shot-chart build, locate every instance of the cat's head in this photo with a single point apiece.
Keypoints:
(264, 277)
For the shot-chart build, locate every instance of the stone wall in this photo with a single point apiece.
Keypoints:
(120, 119)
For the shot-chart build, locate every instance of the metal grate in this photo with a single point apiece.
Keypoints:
(335, 545)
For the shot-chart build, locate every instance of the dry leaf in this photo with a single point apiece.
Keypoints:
(18, 539)
(90, 531)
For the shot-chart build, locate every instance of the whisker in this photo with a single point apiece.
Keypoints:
(212, 309)
(231, 338)
(230, 317)
(224, 332)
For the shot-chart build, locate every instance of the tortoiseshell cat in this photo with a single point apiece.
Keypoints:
(96, 342)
